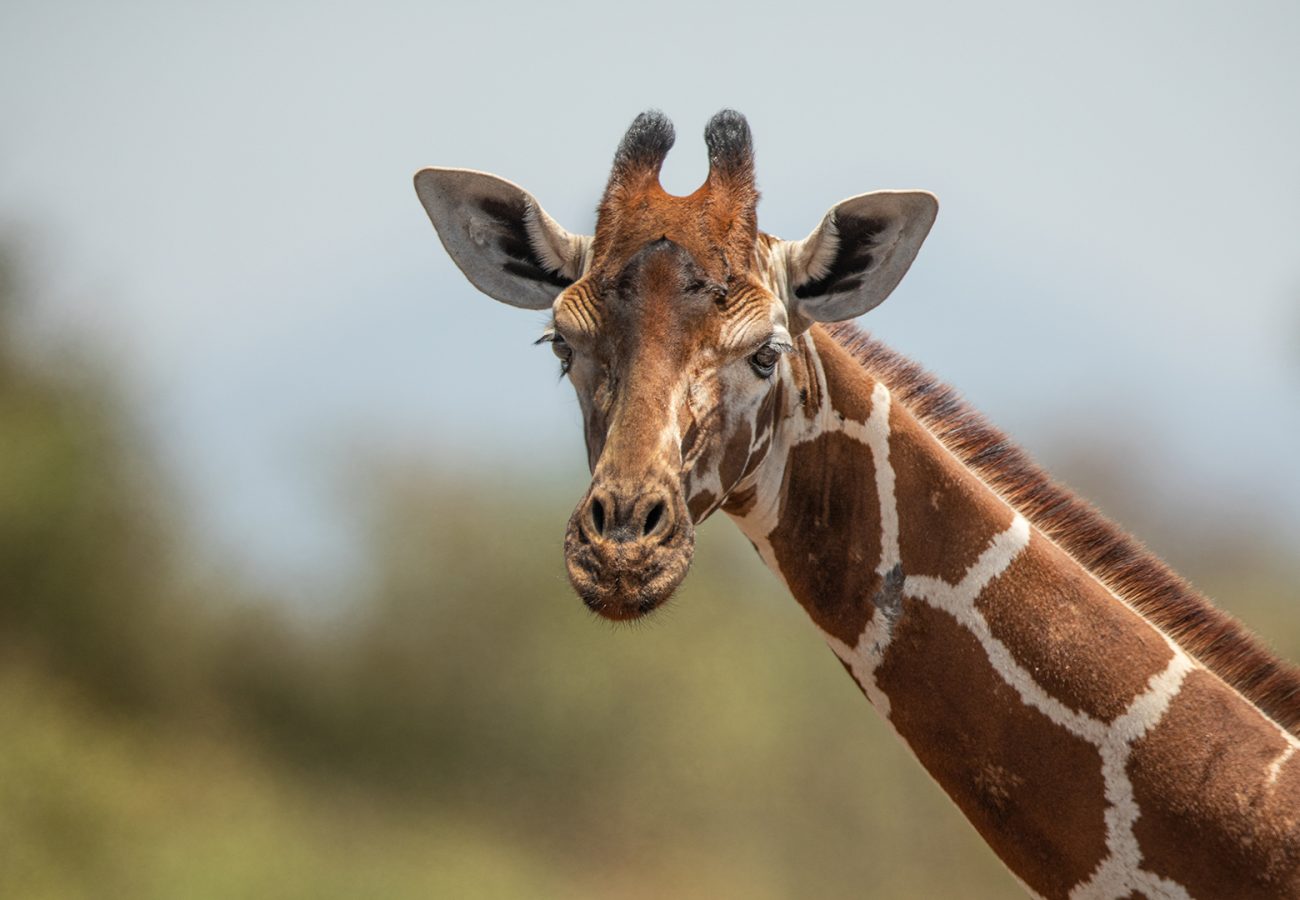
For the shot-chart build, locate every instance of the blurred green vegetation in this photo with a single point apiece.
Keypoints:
(463, 728)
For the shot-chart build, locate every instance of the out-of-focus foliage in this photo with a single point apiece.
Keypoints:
(462, 729)
(88, 570)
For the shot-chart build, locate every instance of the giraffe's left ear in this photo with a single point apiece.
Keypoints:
(857, 255)
(500, 237)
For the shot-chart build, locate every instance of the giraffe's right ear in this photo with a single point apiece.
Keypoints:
(500, 237)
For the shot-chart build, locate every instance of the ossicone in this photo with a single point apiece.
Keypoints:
(644, 147)
(731, 147)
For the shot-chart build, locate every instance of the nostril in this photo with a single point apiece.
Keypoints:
(598, 516)
(653, 518)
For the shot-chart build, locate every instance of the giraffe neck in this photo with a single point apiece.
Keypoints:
(1095, 755)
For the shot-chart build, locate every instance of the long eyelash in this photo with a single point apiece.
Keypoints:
(549, 337)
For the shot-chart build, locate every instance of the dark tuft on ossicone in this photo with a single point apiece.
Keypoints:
(729, 141)
(647, 141)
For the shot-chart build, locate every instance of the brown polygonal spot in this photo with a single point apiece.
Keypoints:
(1083, 646)
(946, 516)
(699, 504)
(769, 409)
(1210, 820)
(827, 540)
(734, 456)
(1033, 790)
(739, 503)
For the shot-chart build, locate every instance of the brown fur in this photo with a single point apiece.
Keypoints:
(832, 593)
(1048, 829)
(1117, 559)
(1211, 820)
(717, 223)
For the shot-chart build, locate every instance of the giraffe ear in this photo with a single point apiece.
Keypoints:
(500, 237)
(858, 254)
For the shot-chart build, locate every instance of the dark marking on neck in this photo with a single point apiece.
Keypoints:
(889, 599)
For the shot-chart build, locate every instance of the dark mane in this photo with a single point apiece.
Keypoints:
(1117, 559)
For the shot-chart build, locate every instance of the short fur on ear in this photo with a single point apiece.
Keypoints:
(857, 255)
(500, 237)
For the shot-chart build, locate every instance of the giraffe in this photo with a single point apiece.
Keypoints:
(1104, 728)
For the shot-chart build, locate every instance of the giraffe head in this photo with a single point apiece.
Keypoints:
(678, 325)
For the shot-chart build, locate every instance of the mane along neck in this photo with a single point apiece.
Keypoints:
(1119, 561)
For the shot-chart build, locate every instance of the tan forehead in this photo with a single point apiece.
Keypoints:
(702, 222)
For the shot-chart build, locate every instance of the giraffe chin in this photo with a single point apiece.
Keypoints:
(621, 581)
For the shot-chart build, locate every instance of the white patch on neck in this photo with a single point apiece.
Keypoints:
(1275, 767)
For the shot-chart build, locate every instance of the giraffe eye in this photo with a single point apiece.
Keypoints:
(560, 347)
(764, 360)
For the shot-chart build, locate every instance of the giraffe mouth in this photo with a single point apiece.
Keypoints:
(622, 577)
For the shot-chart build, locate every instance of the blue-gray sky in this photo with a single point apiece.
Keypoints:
(221, 202)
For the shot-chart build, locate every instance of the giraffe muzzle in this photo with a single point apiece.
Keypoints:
(627, 548)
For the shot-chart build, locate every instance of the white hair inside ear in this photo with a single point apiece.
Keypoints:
(556, 249)
(855, 258)
(500, 237)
